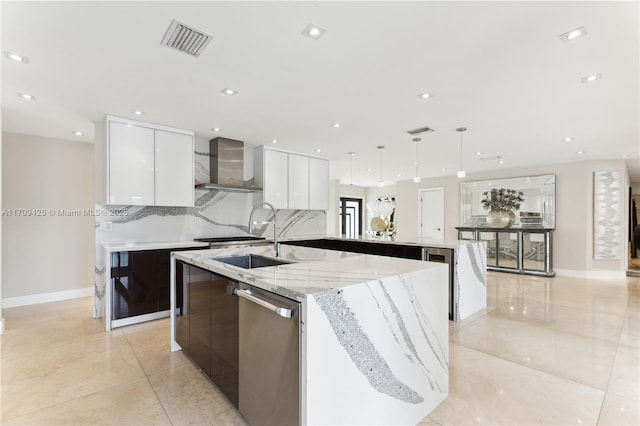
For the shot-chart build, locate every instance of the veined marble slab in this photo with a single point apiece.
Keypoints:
(470, 279)
(374, 334)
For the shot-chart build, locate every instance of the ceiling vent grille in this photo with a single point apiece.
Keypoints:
(185, 39)
(420, 130)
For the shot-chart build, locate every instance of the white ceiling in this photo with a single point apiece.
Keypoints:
(497, 68)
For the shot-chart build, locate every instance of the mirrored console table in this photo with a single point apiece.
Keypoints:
(517, 250)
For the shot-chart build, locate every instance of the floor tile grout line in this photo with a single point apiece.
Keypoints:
(531, 367)
(146, 376)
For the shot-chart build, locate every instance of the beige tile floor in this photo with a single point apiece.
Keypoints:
(545, 352)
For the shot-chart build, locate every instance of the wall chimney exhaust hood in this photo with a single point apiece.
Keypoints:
(226, 158)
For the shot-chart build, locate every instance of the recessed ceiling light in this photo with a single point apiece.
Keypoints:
(368, 170)
(137, 112)
(274, 141)
(567, 139)
(16, 58)
(335, 125)
(501, 162)
(318, 149)
(478, 153)
(78, 133)
(27, 96)
(442, 170)
(216, 129)
(624, 156)
(573, 34)
(591, 78)
(425, 95)
(399, 174)
(228, 91)
(313, 31)
(580, 152)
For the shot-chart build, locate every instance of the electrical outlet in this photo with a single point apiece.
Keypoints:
(105, 226)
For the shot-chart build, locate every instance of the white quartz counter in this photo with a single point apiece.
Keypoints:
(311, 271)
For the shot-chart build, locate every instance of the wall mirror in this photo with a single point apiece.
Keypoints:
(536, 211)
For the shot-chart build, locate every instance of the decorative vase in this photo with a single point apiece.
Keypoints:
(498, 218)
(512, 218)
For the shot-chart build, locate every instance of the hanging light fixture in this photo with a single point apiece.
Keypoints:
(416, 177)
(461, 173)
(380, 182)
(351, 154)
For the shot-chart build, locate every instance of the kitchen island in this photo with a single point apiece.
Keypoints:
(373, 330)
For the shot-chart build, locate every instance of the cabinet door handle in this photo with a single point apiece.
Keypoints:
(246, 294)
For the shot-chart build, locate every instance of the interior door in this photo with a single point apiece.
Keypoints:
(432, 213)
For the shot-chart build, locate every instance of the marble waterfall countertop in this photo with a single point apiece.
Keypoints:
(374, 345)
(311, 270)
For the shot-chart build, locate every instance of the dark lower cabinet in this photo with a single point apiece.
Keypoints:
(380, 249)
(134, 277)
(140, 283)
(207, 325)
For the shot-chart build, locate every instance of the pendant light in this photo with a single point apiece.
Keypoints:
(461, 173)
(380, 182)
(416, 177)
(351, 154)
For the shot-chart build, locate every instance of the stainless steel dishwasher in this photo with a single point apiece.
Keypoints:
(269, 358)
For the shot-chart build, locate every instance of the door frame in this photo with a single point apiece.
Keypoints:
(342, 220)
(420, 191)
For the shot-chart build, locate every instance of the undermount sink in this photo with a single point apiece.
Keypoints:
(250, 261)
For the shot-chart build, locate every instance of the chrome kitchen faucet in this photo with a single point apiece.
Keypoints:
(276, 245)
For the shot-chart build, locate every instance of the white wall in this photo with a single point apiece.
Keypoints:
(1, 206)
(573, 237)
(50, 253)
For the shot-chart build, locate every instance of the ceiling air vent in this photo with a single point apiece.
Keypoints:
(420, 130)
(185, 39)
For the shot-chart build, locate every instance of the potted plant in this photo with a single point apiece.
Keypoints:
(501, 204)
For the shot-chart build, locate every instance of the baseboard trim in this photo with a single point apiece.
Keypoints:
(56, 296)
(591, 274)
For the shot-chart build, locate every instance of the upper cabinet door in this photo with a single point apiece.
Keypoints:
(318, 184)
(298, 182)
(275, 178)
(131, 165)
(174, 185)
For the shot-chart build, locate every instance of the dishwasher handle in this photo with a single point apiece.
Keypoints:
(246, 294)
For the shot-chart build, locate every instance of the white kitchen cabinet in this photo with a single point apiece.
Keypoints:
(148, 165)
(318, 184)
(298, 182)
(174, 183)
(274, 180)
(290, 180)
(131, 164)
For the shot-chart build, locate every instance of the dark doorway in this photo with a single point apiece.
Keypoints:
(350, 217)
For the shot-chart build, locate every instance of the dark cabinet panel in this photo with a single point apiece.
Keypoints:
(224, 336)
(134, 290)
(382, 249)
(182, 311)
(199, 306)
(140, 282)
(206, 324)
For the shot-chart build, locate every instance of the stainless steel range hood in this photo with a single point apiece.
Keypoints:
(226, 166)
